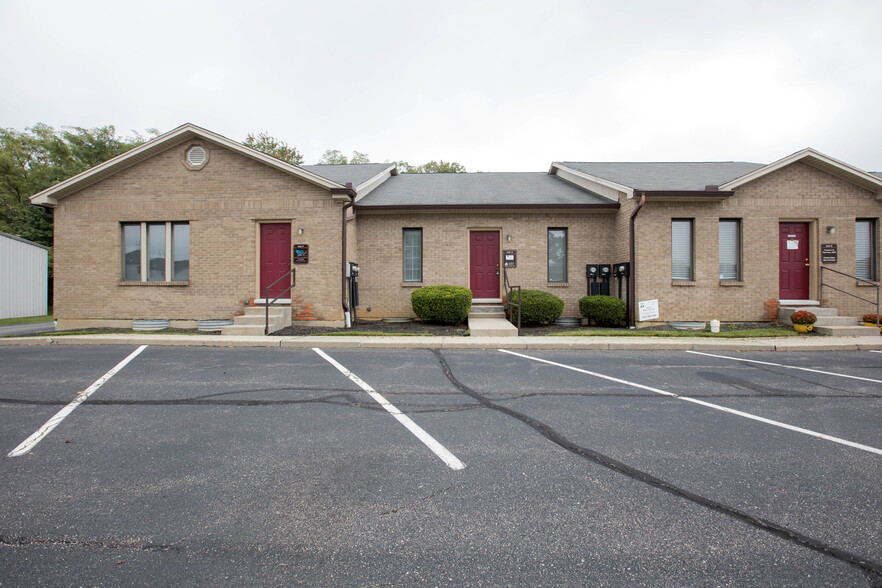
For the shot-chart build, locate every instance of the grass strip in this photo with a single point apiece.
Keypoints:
(26, 320)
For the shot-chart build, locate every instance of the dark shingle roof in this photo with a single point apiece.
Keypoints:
(666, 176)
(481, 189)
(357, 173)
(877, 174)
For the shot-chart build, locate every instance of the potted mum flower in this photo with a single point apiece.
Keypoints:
(803, 321)
(870, 319)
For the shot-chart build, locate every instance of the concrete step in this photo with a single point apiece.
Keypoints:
(482, 308)
(487, 311)
(253, 321)
(244, 330)
(785, 311)
(491, 327)
(258, 319)
(853, 331)
(836, 321)
(260, 310)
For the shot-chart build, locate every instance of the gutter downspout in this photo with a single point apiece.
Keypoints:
(350, 192)
(632, 290)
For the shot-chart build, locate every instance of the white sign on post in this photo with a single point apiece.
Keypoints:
(648, 309)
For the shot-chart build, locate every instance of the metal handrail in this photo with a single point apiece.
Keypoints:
(508, 303)
(872, 283)
(268, 302)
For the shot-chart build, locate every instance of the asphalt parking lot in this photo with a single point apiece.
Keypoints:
(355, 467)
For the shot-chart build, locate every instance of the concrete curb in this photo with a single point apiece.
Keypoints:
(855, 343)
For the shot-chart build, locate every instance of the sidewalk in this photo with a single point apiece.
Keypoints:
(601, 343)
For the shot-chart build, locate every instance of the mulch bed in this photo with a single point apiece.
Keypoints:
(420, 328)
(408, 328)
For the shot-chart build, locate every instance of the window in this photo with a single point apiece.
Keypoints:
(557, 255)
(730, 249)
(132, 253)
(156, 252)
(413, 255)
(865, 248)
(682, 269)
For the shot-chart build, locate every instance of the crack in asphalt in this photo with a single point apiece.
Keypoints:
(347, 400)
(871, 569)
(131, 545)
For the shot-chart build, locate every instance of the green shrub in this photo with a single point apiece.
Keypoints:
(442, 304)
(604, 310)
(537, 306)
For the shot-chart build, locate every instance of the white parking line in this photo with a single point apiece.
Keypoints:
(38, 435)
(430, 442)
(789, 367)
(707, 404)
(874, 351)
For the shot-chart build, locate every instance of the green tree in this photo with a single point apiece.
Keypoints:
(432, 167)
(336, 157)
(272, 146)
(40, 157)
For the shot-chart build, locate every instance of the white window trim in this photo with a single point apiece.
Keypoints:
(169, 262)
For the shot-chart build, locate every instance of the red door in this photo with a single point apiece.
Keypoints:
(275, 257)
(484, 264)
(793, 255)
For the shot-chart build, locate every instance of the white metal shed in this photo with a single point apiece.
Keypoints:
(24, 277)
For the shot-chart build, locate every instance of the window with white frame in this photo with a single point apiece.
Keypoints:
(413, 255)
(156, 252)
(730, 249)
(865, 248)
(557, 255)
(682, 259)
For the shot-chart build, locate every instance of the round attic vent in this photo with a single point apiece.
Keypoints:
(196, 156)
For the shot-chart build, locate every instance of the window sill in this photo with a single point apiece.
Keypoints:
(864, 285)
(411, 284)
(731, 283)
(682, 283)
(558, 284)
(173, 284)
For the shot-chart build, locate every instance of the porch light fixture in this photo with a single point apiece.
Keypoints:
(299, 230)
(508, 237)
(831, 230)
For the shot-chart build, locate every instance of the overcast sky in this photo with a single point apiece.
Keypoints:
(496, 86)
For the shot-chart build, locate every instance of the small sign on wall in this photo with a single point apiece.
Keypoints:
(829, 253)
(301, 253)
(647, 309)
(509, 258)
(792, 243)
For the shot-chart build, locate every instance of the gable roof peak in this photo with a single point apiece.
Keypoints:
(185, 132)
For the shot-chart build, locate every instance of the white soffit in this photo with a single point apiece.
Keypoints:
(366, 187)
(819, 161)
(50, 196)
(601, 186)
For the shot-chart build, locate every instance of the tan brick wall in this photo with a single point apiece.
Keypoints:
(795, 193)
(224, 203)
(446, 252)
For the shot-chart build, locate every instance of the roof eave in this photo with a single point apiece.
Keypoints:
(367, 186)
(50, 196)
(817, 160)
(627, 190)
(611, 207)
(685, 195)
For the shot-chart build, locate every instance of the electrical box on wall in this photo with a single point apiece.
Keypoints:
(301, 253)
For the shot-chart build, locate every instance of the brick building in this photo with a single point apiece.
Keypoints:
(192, 225)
